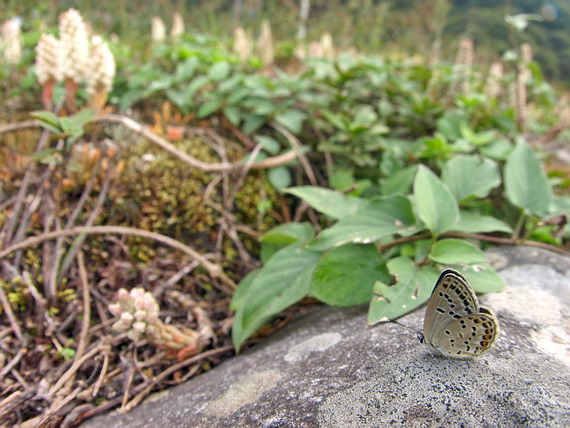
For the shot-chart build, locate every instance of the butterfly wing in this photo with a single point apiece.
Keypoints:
(469, 336)
(451, 299)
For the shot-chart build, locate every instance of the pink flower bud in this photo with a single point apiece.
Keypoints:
(139, 327)
(115, 309)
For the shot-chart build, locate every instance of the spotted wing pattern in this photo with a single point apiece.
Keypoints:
(451, 299)
(469, 336)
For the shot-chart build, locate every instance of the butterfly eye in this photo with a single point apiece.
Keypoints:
(421, 338)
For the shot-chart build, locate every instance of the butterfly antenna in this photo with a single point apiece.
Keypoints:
(419, 333)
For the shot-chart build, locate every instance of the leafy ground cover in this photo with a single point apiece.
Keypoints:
(233, 190)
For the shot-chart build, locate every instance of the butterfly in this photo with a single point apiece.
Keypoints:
(455, 325)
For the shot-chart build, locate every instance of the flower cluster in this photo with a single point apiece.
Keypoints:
(11, 40)
(138, 314)
(138, 317)
(74, 45)
(48, 63)
(74, 59)
(102, 72)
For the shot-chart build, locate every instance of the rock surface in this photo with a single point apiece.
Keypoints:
(328, 369)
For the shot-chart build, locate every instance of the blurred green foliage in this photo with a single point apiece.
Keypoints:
(430, 27)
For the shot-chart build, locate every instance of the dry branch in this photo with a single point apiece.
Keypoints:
(213, 269)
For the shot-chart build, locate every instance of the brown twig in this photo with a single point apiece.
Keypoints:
(11, 317)
(296, 146)
(137, 390)
(164, 144)
(213, 269)
(73, 369)
(8, 367)
(172, 369)
(86, 297)
(493, 239)
(13, 219)
(102, 375)
(92, 217)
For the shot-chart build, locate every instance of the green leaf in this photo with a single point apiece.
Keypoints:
(219, 71)
(456, 251)
(525, 181)
(68, 126)
(400, 182)
(559, 205)
(279, 177)
(178, 98)
(84, 116)
(48, 121)
(208, 108)
(450, 125)
(288, 233)
(283, 281)
(483, 278)
(160, 85)
(233, 114)
(473, 222)
(436, 205)
(380, 218)
(345, 275)
(239, 297)
(46, 155)
(413, 287)
(270, 145)
(198, 83)
(498, 149)
(252, 123)
(329, 202)
(291, 119)
(185, 70)
(469, 176)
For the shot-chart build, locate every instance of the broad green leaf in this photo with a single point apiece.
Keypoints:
(559, 205)
(179, 99)
(219, 71)
(525, 181)
(412, 288)
(185, 70)
(233, 114)
(68, 126)
(399, 182)
(471, 176)
(483, 278)
(279, 177)
(270, 145)
(498, 149)
(48, 121)
(287, 233)
(329, 202)
(292, 120)
(83, 116)
(161, 84)
(46, 155)
(456, 251)
(238, 299)
(195, 85)
(208, 108)
(252, 123)
(345, 275)
(283, 281)
(341, 179)
(379, 219)
(450, 125)
(473, 222)
(436, 205)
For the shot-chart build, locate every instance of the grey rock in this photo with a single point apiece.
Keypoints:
(329, 369)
